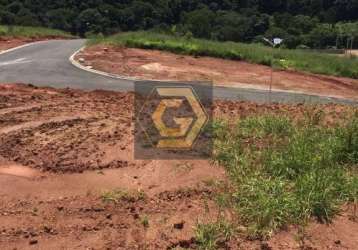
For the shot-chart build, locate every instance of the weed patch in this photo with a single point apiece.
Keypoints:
(31, 32)
(118, 195)
(213, 235)
(286, 172)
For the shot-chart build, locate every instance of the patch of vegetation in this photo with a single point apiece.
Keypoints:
(285, 172)
(144, 220)
(255, 53)
(31, 32)
(118, 195)
(213, 235)
(263, 126)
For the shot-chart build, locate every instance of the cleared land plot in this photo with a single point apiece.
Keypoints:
(300, 60)
(68, 178)
(154, 64)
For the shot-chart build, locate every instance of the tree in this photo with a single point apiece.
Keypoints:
(14, 7)
(26, 18)
(89, 20)
(7, 18)
(322, 36)
(61, 19)
(234, 20)
(233, 26)
(199, 22)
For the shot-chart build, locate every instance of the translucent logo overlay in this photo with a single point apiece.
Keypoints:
(172, 120)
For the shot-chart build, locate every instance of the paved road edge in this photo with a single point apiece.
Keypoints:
(75, 63)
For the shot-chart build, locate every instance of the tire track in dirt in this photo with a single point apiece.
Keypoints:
(61, 146)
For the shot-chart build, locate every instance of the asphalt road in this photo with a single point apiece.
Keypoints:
(47, 64)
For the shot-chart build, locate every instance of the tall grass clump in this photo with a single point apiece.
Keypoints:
(211, 236)
(254, 53)
(31, 32)
(286, 172)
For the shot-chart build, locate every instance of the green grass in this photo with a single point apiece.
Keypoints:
(254, 53)
(118, 195)
(213, 235)
(285, 172)
(144, 220)
(21, 31)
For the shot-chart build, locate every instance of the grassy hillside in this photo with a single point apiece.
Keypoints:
(21, 31)
(281, 58)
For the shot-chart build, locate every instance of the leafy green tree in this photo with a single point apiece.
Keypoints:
(61, 19)
(26, 18)
(89, 20)
(14, 7)
(7, 18)
(199, 22)
(322, 36)
(299, 22)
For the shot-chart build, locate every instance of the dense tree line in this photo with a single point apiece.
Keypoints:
(312, 23)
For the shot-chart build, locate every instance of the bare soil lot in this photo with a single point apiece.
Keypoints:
(7, 43)
(60, 149)
(152, 64)
(12, 42)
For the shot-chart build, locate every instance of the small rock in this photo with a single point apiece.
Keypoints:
(337, 242)
(81, 60)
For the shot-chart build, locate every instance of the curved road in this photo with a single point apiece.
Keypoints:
(47, 64)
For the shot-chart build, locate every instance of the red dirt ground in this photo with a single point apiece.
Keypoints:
(12, 42)
(61, 148)
(152, 64)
